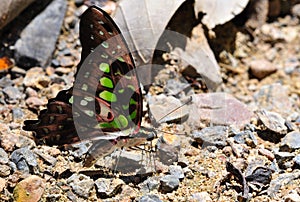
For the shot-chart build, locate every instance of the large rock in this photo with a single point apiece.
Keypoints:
(38, 39)
(218, 109)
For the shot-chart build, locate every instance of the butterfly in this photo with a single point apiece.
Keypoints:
(104, 105)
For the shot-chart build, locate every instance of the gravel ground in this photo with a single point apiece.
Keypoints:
(253, 153)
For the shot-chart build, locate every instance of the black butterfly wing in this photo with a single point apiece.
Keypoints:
(106, 96)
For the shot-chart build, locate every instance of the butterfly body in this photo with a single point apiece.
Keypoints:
(105, 103)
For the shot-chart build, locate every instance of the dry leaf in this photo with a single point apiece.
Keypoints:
(142, 22)
(219, 11)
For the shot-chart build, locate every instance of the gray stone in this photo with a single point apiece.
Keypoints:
(108, 187)
(130, 162)
(81, 184)
(245, 137)
(150, 184)
(168, 152)
(169, 183)
(272, 120)
(274, 98)
(283, 159)
(4, 170)
(149, 198)
(296, 159)
(217, 109)
(282, 180)
(175, 87)
(12, 94)
(211, 136)
(162, 109)
(24, 159)
(3, 157)
(37, 41)
(80, 149)
(290, 142)
(201, 197)
(5, 81)
(49, 159)
(17, 113)
(176, 171)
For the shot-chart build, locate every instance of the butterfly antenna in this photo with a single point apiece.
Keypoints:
(188, 101)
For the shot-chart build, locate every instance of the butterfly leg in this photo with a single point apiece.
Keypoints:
(118, 160)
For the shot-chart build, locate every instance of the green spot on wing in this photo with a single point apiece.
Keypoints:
(106, 82)
(51, 119)
(133, 115)
(104, 125)
(84, 87)
(108, 96)
(104, 56)
(123, 122)
(101, 33)
(71, 100)
(125, 107)
(132, 101)
(121, 59)
(86, 75)
(89, 99)
(116, 73)
(46, 130)
(59, 108)
(104, 67)
(131, 87)
(104, 44)
(121, 90)
(83, 103)
(89, 112)
(120, 122)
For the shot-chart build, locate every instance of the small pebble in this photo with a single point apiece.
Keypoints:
(149, 198)
(30, 189)
(24, 158)
(201, 197)
(176, 171)
(2, 184)
(262, 68)
(169, 183)
(3, 157)
(108, 187)
(81, 184)
(4, 170)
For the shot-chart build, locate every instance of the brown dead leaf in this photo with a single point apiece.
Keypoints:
(219, 11)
